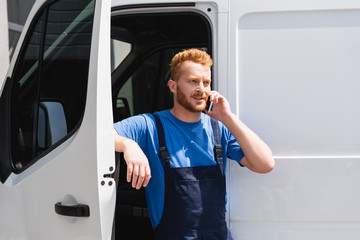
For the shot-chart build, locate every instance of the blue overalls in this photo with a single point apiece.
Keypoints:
(194, 206)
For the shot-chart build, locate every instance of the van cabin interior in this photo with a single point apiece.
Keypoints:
(142, 48)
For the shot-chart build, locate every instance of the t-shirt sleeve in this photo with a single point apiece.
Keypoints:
(234, 150)
(133, 128)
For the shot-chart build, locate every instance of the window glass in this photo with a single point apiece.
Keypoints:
(66, 57)
(126, 92)
(119, 50)
(50, 81)
(146, 90)
(23, 98)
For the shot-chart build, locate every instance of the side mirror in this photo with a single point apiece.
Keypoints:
(122, 109)
(51, 123)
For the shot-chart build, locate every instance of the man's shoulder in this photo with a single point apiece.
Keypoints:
(162, 113)
(207, 119)
(141, 121)
(132, 120)
(225, 134)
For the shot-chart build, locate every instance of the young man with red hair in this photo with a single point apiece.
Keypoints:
(183, 150)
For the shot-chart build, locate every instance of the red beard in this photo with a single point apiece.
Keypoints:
(192, 107)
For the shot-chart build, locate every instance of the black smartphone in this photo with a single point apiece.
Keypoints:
(209, 105)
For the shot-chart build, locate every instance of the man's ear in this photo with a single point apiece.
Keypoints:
(172, 86)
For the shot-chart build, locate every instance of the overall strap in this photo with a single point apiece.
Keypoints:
(163, 151)
(218, 148)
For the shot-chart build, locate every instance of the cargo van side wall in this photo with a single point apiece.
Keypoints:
(295, 76)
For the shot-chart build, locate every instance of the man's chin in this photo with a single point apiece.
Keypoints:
(199, 108)
(195, 109)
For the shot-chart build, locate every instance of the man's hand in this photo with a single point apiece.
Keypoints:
(221, 108)
(138, 169)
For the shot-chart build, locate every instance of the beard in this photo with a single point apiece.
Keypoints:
(192, 107)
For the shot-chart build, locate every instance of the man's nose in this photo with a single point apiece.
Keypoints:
(201, 87)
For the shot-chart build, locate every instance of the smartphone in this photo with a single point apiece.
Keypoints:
(209, 105)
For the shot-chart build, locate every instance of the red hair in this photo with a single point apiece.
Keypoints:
(194, 55)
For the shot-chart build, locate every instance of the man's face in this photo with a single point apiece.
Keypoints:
(192, 89)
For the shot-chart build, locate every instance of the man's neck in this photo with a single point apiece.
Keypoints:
(185, 115)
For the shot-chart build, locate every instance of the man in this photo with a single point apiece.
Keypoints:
(186, 151)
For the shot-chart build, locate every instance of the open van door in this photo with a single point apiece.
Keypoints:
(56, 135)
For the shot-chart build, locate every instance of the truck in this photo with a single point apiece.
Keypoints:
(288, 68)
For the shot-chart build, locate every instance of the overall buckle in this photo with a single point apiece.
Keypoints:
(164, 153)
(218, 151)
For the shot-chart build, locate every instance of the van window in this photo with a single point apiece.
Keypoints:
(146, 89)
(49, 84)
(119, 51)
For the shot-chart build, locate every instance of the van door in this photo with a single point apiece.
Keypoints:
(57, 154)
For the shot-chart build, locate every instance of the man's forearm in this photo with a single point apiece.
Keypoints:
(138, 169)
(258, 156)
(120, 142)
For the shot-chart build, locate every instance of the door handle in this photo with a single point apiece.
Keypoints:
(78, 210)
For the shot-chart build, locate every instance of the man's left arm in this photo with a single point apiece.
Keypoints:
(258, 156)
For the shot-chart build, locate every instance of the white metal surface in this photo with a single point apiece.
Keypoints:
(73, 172)
(100, 96)
(301, 199)
(304, 64)
(294, 81)
(4, 42)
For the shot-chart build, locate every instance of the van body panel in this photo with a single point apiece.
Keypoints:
(296, 201)
(294, 78)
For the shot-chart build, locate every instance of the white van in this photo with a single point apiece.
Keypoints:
(290, 70)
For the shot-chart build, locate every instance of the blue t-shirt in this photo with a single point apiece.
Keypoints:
(189, 144)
